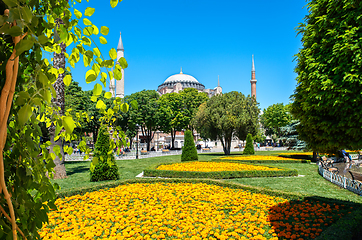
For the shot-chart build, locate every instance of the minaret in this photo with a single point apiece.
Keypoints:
(120, 83)
(253, 80)
(117, 87)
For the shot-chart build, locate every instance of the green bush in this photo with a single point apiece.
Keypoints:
(189, 152)
(249, 147)
(103, 166)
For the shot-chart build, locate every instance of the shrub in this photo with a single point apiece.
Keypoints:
(103, 166)
(249, 147)
(189, 152)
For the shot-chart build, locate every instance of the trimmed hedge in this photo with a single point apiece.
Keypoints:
(189, 152)
(249, 147)
(260, 161)
(153, 172)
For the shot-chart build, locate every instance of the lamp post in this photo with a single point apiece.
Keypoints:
(137, 141)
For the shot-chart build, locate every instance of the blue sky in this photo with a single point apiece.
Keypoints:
(207, 39)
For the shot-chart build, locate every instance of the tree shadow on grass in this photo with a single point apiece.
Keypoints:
(316, 218)
(77, 170)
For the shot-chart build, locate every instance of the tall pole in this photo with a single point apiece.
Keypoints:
(137, 143)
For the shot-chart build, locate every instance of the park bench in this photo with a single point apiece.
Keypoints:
(165, 150)
(206, 149)
(144, 152)
(356, 175)
(269, 148)
(328, 165)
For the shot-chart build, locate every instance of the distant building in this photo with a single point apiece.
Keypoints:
(117, 87)
(178, 82)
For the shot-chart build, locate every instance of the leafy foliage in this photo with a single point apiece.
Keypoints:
(328, 99)
(146, 115)
(228, 115)
(291, 137)
(28, 30)
(249, 147)
(103, 166)
(275, 117)
(189, 152)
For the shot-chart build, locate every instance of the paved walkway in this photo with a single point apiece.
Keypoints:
(132, 154)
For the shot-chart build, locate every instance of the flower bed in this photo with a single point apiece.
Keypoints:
(262, 159)
(186, 210)
(216, 170)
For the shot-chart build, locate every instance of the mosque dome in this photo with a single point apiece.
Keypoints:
(186, 81)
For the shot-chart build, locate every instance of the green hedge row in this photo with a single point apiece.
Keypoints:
(261, 161)
(153, 172)
(221, 183)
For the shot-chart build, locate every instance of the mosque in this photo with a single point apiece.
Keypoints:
(176, 83)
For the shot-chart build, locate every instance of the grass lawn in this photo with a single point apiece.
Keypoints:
(310, 183)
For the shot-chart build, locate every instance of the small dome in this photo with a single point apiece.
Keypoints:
(187, 81)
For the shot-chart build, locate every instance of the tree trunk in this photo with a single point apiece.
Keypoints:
(173, 135)
(58, 62)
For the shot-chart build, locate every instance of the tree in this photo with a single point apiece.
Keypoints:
(103, 166)
(171, 115)
(146, 115)
(274, 118)
(191, 99)
(249, 147)
(225, 116)
(27, 31)
(291, 136)
(328, 99)
(189, 152)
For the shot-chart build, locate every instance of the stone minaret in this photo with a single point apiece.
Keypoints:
(117, 88)
(253, 80)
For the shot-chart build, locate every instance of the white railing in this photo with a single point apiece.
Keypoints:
(354, 186)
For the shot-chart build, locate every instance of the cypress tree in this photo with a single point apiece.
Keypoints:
(249, 147)
(103, 166)
(189, 152)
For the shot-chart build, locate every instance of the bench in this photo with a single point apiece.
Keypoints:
(356, 175)
(328, 165)
(144, 152)
(165, 150)
(269, 148)
(206, 150)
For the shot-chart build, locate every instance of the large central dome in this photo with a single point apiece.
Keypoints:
(187, 81)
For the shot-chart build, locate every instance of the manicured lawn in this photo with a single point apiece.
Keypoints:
(310, 184)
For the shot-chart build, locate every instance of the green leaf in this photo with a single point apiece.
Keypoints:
(101, 105)
(23, 45)
(70, 150)
(114, 3)
(134, 104)
(14, 31)
(77, 13)
(10, 3)
(67, 80)
(108, 95)
(27, 14)
(96, 52)
(90, 76)
(56, 150)
(124, 107)
(43, 39)
(88, 31)
(122, 61)
(87, 22)
(68, 124)
(24, 114)
(43, 78)
(102, 40)
(113, 53)
(89, 11)
(117, 72)
(104, 30)
(94, 98)
(97, 90)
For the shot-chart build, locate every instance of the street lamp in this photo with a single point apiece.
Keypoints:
(137, 141)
